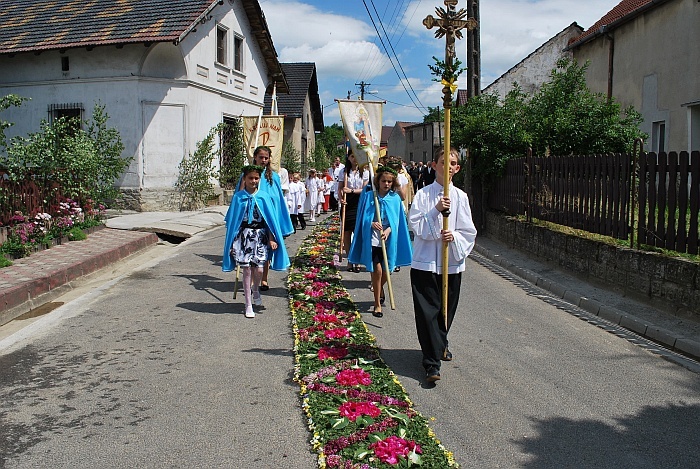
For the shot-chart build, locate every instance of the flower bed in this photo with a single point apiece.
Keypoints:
(359, 413)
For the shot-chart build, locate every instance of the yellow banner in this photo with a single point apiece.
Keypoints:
(362, 121)
(271, 134)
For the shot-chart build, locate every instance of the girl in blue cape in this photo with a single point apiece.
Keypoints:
(366, 245)
(270, 182)
(253, 236)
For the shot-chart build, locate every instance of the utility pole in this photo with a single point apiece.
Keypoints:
(362, 86)
(473, 52)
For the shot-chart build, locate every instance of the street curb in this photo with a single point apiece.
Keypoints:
(623, 319)
(33, 293)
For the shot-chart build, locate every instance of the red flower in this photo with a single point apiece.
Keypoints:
(338, 333)
(323, 317)
(352, 410)
(353, 377)
(390, 449)
(334, 353)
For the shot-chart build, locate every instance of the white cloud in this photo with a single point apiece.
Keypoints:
(336, 43)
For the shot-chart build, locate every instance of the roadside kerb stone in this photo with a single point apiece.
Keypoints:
(29, 281)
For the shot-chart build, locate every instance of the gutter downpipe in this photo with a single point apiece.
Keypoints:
(611, 61)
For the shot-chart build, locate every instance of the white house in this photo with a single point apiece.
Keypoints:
(166, 70)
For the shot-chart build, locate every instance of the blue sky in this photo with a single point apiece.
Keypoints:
(338, 35)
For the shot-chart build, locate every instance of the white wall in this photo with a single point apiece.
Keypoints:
(162, 98)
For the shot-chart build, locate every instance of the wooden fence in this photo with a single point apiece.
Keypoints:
(595, 193)
(28, 196)
(669, 200)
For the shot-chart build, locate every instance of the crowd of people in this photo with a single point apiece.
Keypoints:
(378, 215)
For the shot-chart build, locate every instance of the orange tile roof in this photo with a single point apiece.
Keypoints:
(619, 12)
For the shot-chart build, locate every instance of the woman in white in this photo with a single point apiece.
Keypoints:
(350, 184)
(311, 195)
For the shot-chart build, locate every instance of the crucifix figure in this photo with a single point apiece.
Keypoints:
(450, 23)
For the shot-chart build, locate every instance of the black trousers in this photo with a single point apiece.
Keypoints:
(298, 220)
(427, 306)
(332, 202)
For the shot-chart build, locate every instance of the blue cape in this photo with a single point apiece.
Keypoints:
(399, 249)
(280, 203)
(234, 218)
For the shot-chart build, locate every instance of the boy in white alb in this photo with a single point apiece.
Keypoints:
(425, 219)
(297, 196)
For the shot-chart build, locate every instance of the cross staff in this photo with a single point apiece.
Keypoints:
(450, 22)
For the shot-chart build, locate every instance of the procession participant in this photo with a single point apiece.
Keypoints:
(311, 195)
(327, 185)
(297, 195)
(335, 171)
(321, 182)
(366, 247)
(271, 183)
(405, 189)
(253, 236)
(425, 219)
(350, 184)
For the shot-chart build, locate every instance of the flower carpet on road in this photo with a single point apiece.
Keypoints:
(358, 412)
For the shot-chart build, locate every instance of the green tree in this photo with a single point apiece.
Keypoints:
(83, 163)
(435, 114)
(319, 159)
(565, 117)
(291, 158)
(233, 153)
(196, 172)
(11, 100)
(331, 137)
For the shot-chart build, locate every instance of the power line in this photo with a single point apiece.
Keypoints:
(392, 61)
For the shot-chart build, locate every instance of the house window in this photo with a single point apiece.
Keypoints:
(65, 64)
(71, 112)
(425, 156)
(222, 45)
(410, 156)
(238, 53)
(425, 133)
(658, 137)
(410, 136)
(694, 134)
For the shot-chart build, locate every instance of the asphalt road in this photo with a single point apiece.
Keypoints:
(159, 368)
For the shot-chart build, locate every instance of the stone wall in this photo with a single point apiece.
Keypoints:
(673, 282)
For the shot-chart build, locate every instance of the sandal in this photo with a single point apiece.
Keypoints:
(377, 314)
(357, 269)
(264, 286)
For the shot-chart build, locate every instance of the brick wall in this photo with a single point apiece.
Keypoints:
(674, 281)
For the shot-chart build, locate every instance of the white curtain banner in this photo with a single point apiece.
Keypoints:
(363, 127)
(270, 134)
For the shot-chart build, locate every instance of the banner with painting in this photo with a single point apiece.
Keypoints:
(362, 121)
(264, 130)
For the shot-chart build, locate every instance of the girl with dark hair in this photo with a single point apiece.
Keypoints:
(253, 236)
(350, 184)
(366, 247)
(270, 182)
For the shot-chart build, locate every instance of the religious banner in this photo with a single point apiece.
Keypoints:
(270, 134)
(363, 127)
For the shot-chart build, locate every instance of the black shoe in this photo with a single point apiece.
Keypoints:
(432, 374)
(377, 314)
(397, 269)
(446, 355)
